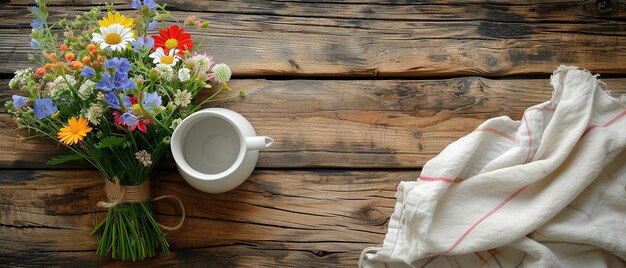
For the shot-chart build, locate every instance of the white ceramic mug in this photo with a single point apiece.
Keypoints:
(216, 149)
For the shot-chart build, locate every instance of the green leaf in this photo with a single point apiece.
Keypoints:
(110, 141)
(64, 158)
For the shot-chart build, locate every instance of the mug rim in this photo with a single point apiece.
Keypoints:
(181, 131)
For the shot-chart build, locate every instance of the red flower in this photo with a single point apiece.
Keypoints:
(173, 37)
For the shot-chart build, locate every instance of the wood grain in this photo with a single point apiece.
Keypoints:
(308, 218)
(263, 38)
(362, 124)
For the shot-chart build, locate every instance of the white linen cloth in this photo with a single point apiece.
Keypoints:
(545, 191)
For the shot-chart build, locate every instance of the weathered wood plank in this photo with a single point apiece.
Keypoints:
(422, 40)
(316, 218)
(364, 123)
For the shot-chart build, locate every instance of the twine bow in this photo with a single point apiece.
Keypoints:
(119, 194)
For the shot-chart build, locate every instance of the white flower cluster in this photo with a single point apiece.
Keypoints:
(144, 157)
(176, 122)
(20, 78)
(94, 113)
(201, 63)
(60, 85)
(182, 98)
(86, 89)
(221, 72)
(164, 71)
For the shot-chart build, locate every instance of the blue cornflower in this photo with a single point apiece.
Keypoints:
(135, 4)
(129, 119)
(18, 101)
(36, 24)
(151, 101)
(143, 43)
(150, 4)
(112, 100)
(88, 72)
(105, 83)
(152, 25)
(34, 43)
(44, 108)
(35, 10)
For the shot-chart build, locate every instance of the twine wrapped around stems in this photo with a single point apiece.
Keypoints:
(120, 194)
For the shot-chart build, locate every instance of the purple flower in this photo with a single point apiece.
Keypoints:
(151, 101)
(112, 100)
(35, 10)
(34, 43)
(129, 119)
(152, 25)
(135, 4)
(44, 108)
(36, 24)
(18, 101)
(88, 72)
(150, 4)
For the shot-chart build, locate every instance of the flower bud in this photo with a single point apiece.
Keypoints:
(86, 60)
(77, 65)
(69, 56)
(154, 74)
(40, 71)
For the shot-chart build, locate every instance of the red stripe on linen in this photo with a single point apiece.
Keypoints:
(493, 130)
(507, 200)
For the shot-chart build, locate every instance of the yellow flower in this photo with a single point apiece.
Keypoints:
(117, 18)
(75, 131)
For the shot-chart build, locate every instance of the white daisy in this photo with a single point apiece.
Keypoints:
(160, 58)
(115, 36)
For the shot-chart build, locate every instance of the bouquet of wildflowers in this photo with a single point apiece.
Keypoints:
(112, 89)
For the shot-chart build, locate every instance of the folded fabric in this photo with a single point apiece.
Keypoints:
(545, 191)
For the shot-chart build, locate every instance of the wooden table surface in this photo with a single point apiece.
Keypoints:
(357, 96)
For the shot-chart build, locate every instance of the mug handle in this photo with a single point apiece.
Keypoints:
(258, 142)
